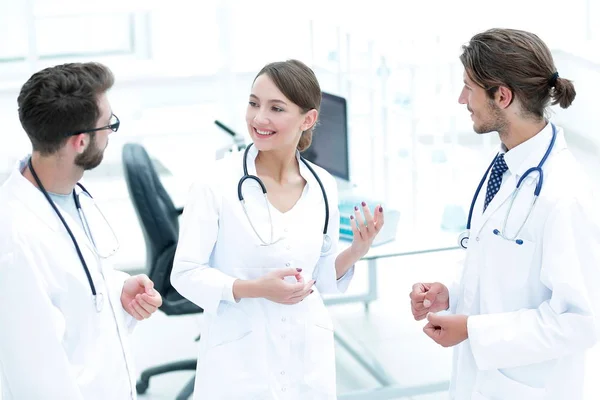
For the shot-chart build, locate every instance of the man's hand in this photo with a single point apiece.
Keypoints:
(446, 330)
(428, 297)
(139, 298)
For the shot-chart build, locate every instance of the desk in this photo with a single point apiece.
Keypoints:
(389, 388)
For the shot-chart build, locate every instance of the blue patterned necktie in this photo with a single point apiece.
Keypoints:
(495, 180)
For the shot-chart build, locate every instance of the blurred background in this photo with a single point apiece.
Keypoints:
(182, 64)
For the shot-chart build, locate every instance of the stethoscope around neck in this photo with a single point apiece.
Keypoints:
(463, 238)
(98, 298)
(325, 246)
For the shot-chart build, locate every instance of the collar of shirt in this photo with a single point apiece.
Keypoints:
(529, 153)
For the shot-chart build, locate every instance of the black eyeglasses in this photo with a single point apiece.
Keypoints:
(113, 125)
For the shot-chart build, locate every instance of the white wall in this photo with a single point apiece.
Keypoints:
(583, 117)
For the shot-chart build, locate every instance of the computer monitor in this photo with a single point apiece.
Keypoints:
(329, 148)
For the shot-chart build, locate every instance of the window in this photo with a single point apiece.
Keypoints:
(12, 26)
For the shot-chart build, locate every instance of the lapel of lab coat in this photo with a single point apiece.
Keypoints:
(32, 198)
(506, 190)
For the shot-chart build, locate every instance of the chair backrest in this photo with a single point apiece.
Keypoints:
(158, 218)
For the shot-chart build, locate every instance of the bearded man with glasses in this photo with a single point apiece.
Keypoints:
(65, 313)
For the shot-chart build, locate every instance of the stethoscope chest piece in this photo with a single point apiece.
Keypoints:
(463, 239)
(326, 246)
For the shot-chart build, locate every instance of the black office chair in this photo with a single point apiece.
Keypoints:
(158, 217)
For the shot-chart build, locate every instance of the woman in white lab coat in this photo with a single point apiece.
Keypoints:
(257, 269)
(528, 303)
(65, 313)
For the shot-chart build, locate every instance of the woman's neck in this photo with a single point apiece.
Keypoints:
(279, 165)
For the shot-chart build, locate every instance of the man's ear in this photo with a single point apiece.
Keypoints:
(503, 97)
(80, 142)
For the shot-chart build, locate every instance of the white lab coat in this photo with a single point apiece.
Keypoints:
(53, 342)
(257, 349)
(533, 308)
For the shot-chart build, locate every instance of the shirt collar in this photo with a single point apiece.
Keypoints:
(520, 158)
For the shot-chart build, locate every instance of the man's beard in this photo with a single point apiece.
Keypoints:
(91, 157)
(496, 121)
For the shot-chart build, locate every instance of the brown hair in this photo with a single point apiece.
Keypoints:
(520, 61)
(62, 99)
(298, 83)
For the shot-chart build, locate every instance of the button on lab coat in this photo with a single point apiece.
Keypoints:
(533, 307)
(256, 348)
(53, 343)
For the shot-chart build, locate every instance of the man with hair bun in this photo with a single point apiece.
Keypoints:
(526, 307)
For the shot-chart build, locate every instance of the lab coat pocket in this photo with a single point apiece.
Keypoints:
(319, 353)
(233, 366)
(507, 263)
(494, 385)
(230, 325)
